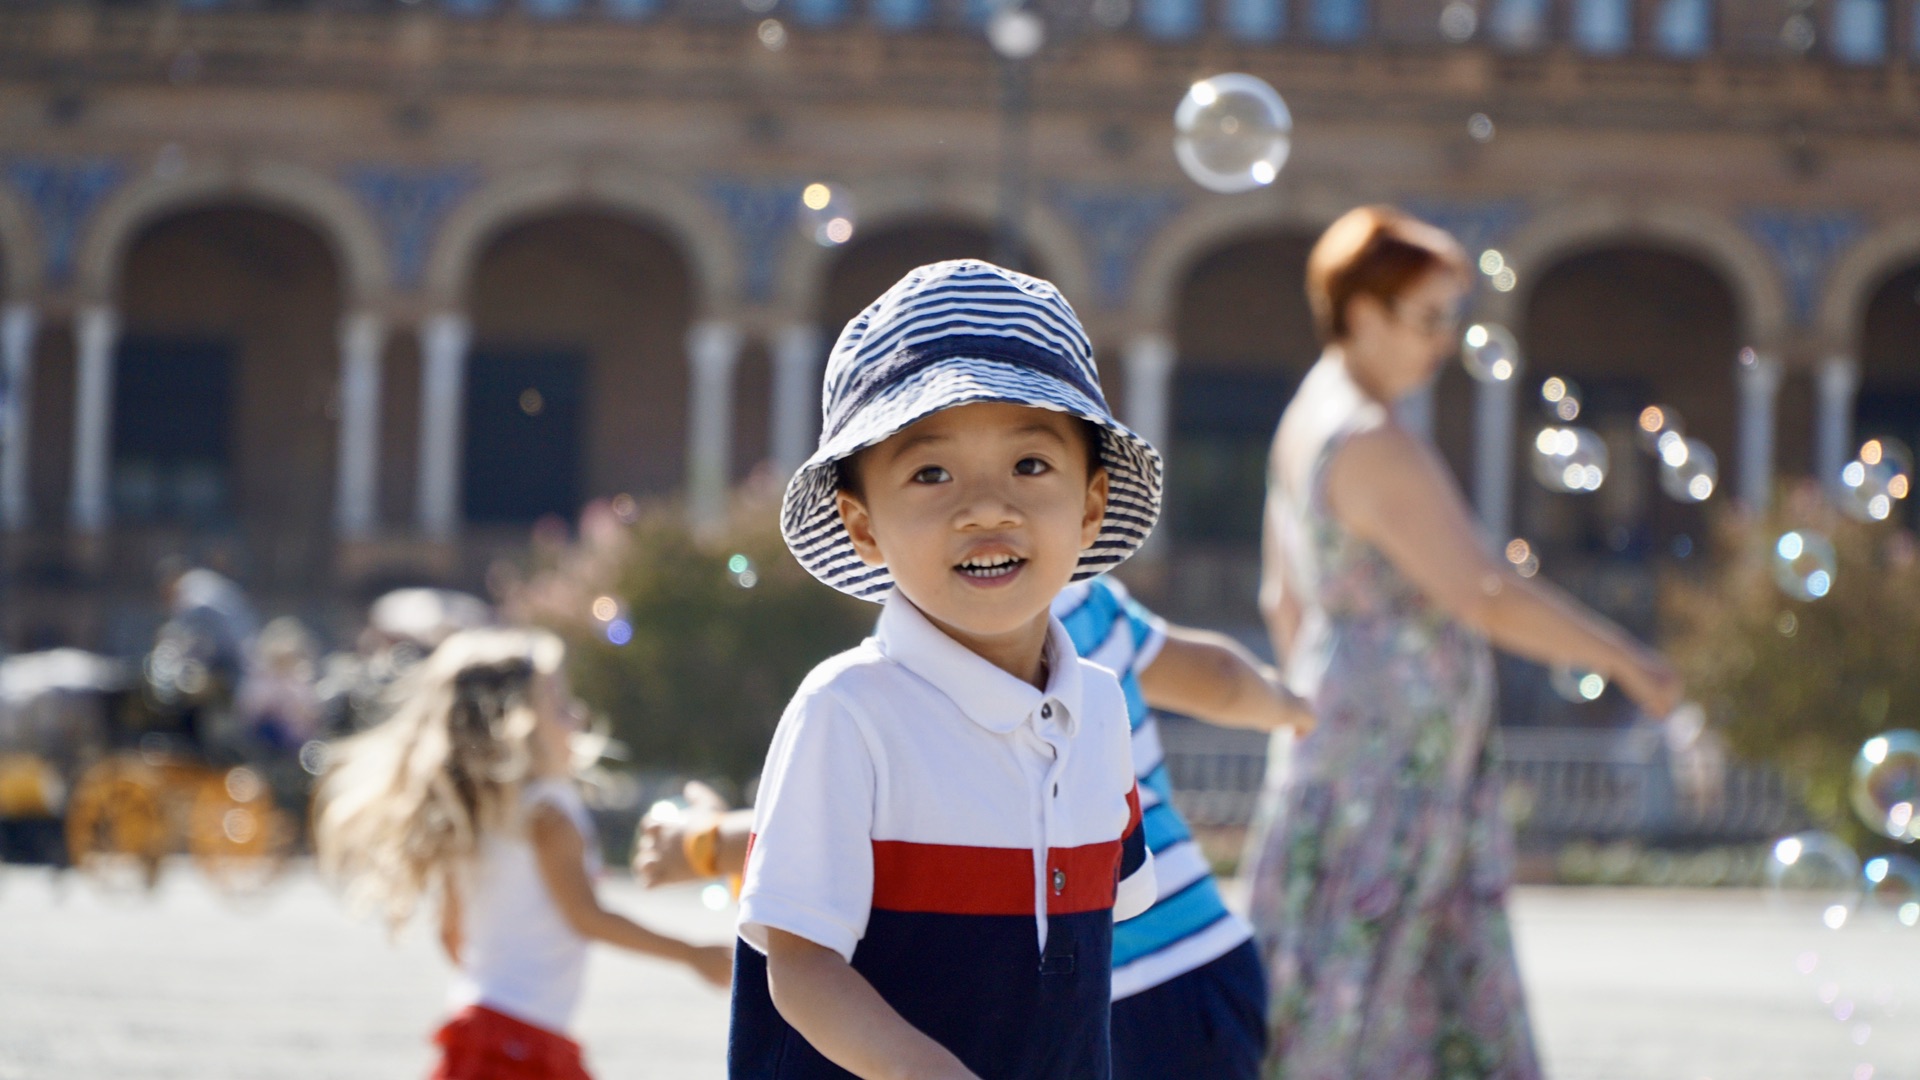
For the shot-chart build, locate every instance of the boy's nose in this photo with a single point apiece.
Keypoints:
(986, 506)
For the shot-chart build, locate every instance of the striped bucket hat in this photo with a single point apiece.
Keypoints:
(948, 334)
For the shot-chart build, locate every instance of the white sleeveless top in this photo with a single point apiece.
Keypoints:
(519, 956)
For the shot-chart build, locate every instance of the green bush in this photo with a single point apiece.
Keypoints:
(1802, 683)
(716, 649)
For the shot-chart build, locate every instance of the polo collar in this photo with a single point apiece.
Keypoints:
(987, 695)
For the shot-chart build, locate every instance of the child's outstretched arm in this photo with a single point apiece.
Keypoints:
(560, 851)
(846, 1019)
(1212, 677)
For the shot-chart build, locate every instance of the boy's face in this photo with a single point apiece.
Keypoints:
(980, 512)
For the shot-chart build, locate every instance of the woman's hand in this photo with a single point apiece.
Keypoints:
(1652, 683)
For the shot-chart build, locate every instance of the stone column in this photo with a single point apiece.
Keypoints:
(17, 325)
(363, 334)
(1836, 386)
(1757, 378)
(713, 352)
(1148, 361)
(97, 332)
(797, 359)
(1493, 420)
(444, 339)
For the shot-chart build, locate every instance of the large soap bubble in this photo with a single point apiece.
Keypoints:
(1886, 784)
(1804, 564)
(1489, 353)
(1689, 471)
(1232, 133)
(1893, 888)
(1815, 873)
(1569, 459)
(1872, 483)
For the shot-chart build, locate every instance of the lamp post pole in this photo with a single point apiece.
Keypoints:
(1016, 34)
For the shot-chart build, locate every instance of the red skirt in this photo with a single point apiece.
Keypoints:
(481, 1044)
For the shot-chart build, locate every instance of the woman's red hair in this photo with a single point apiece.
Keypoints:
(1376, 251)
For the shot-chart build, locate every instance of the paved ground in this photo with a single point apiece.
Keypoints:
(1626, 985)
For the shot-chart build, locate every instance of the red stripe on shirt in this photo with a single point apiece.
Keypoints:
(951, 879)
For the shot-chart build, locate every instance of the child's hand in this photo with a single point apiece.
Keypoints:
(714, 963)
(659, 852)
(1296, 713)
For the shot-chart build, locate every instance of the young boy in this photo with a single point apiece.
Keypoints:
(948, 824)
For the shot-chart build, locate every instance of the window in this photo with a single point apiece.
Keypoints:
(1684, 27)
(1339, 20)
(1223, 429)
(1860, 31)
(1256, 20)
(900, 14)
(172, 418)
(1603, 27)
(819, 12)
(632, 10)
(1170, 19)
(525, 422)
(1519, 24)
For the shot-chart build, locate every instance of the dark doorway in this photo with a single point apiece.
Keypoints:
(523, 434)
(172, 430)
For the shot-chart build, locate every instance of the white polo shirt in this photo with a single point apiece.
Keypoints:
(964, 839)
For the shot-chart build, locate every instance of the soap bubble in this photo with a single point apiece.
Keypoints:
(1232, 133)
(1569, 459)
(1886, 784)
(826, 214)
(1656, 422)
(1577, 685)
(1521, 555)
(1458, 21)
(1561, 398)
(1815, 873)
(1016, 33)
(1489, 353)
(1804, 564)
(1893, 887)
(1871, 483)
(716, 897)
(1480, 129)
(1689, 471)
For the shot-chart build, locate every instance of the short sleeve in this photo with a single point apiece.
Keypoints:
(1148, 631)
(810, 861)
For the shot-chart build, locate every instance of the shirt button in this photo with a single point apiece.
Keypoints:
(1059, 881)
(1046, 712)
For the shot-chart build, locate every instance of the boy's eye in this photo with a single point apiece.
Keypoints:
(932, 474)
(1031, 466)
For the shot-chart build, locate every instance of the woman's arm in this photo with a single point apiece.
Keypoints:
(1214, 678)
(1391, 490)
(1278, 607)
(845, 1018)
(450, 918)
(561, 851)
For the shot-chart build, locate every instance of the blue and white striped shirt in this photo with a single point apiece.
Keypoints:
(1188, 925)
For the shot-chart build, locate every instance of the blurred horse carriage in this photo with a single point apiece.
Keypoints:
(208, 747)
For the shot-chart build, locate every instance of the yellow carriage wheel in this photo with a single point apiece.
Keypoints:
(236, 834)
(117, 826)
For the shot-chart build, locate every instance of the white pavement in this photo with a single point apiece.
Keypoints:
(1626, 985)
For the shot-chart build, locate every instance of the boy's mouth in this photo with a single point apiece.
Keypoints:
(990, 567)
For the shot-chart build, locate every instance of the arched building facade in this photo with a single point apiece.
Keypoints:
(517, 256)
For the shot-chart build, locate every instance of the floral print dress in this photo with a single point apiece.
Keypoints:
(1378, 884)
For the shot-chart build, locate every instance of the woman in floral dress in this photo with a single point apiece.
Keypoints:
(1379, 885)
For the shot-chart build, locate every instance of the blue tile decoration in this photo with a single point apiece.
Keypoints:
(1603, 27)
(1519, 24)
(64, 195)
(1170, 20)
(410, 204)
(901, 14)
(1860, 31)
(1477, 225)
(1256, 20)
(1804, 244)
(762, 213)
(1684, 28)
(1339, 21)
(1115, 226)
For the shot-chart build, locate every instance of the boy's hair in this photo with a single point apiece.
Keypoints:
(401, 803)
(1376, 251)
(847, 469)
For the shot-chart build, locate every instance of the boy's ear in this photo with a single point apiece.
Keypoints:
(1096, 509)
(859, 523)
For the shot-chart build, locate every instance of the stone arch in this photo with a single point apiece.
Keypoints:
(308, 196)
(1555, 234)
(20, 255)
(1858, 274)
(686, 220)
(882, 205)
(1211, 224)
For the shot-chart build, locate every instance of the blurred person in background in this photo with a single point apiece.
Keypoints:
(1378, 893)
(465, 793)
(1189, 995)
(278, 705)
